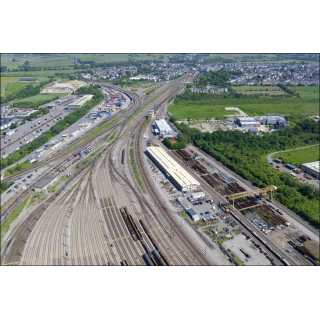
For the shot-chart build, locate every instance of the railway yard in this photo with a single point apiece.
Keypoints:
(111, 204)
(97, 217)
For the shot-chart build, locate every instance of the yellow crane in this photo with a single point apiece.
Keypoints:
(246, 194)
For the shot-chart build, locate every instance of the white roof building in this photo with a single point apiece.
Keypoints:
(164, 128)
(179, 176)
(312, 168)
(80, 101)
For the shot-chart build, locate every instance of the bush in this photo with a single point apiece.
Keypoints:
(245, 153)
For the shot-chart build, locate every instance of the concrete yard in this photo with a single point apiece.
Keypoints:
(240, 242)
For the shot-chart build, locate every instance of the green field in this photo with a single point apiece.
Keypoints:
(13, 61)
(299, 156)
(311, 92)
(36, 101)
(206, 107)
(64, 61)
(259, 90)
(10, 85)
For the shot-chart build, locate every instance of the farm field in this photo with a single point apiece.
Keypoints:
(45, 74)
(207, 107)
(13, 61)
(10, 85)
(301, 155)
(311, 92)
(259, 90)
(36, 101)
(65, 61)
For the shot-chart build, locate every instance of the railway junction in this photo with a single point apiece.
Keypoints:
(128, 200)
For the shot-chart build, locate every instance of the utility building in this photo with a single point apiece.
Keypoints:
(175, 173)
(312, 168)
(79, 102)
(247, 122)
(276, 121)
(163, 128)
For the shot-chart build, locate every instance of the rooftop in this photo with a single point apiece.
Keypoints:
(180, 175)
(313, 166)
(163, 125)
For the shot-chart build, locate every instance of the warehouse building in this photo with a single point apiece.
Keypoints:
(175, 173)
(276, 121)
(312, 168)
(79, 102)
(247, 122)
(194, 216)
(163, 129)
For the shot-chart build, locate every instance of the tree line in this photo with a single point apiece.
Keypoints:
(57, 128)
(245, 153)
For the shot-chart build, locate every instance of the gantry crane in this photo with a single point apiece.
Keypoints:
(246, 194)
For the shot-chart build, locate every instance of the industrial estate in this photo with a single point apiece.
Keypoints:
(160, 159)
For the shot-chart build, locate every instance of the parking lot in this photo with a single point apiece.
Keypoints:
(298, 174)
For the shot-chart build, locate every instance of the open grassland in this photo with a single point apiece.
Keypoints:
(37, 100)
(311, 92)
(299, 156)
(10, 85)
(207, 107)
(65, 61)
(40, 75)
(118, 57)
(13, 61)
(259, 90)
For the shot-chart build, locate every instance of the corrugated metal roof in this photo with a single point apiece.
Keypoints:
(180, 175)
(163, 125)
(315, 166)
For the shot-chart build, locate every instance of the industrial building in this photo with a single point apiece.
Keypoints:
(247, 122)
(276, 121)
(80, 101)
(196, 213)
(194, 216)
(312, 168)
(175, 173)
(163, 129)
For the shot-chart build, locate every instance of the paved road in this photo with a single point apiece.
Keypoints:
(27, 132)
(270, 155)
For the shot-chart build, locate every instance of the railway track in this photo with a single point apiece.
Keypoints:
(175, 231)
(134, 101)
(83, 225)
(64, 158)
(163, 226)
(12, 252)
